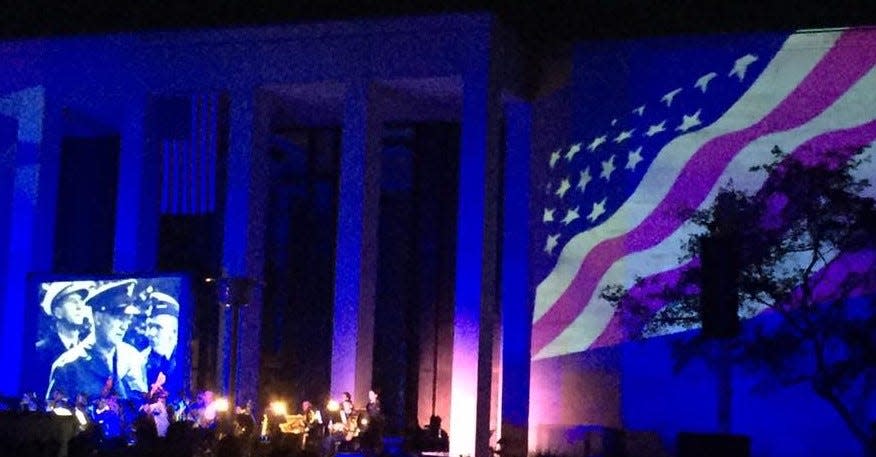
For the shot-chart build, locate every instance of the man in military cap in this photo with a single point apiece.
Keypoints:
(64, 305)
(104, 362)
(162, 330)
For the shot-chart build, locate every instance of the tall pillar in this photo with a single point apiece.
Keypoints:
(243, 240)
(516, 300)
(8, 137)
(27, 108)
(136, 237)
(49, 174)
(237, 210)
(475, 286)
(356, 256)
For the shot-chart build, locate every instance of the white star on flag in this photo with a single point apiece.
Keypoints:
(564, 186)
(551, 243)
(571, 215)
(655, 129)
(607, 168)
(554, 157)
(669, 96)
(626, 134)
(634, 158)
(574, 149)
(640, 110)
(596, 142)
(703, 82)
(548, 215)
(598, 210)
(741, 65)
(583, 179)
(689, 122)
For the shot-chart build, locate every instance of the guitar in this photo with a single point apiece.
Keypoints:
(158, 385)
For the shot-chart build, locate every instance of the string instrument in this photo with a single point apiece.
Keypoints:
(107, 387)
(158, 384)
(151, 405)
(350, 425)
(294, 424)
(108, 414)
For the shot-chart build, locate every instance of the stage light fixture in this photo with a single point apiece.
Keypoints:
(62, 411)
(80, 416)
(220, 405)
(279, 408)
(333, 406)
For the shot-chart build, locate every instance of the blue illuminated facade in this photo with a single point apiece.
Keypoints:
(192, 112)
(201, 123)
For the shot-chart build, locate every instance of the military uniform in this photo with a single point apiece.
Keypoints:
(85, 368)
(161, 304)
(48, 350)
(50, 347)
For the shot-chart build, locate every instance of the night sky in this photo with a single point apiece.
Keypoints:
(543, 22)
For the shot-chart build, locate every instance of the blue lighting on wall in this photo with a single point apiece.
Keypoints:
(515, 296)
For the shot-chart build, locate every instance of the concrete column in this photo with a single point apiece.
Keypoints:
(50, 170)
(8, 137)
(356, 255)
(516, 300)
(27, 107)
(243, 240)
(137, 210)
(475, 285)
(240, 164)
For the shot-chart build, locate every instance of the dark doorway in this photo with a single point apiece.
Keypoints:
(300, 264)
(417, 227)
(86, 212)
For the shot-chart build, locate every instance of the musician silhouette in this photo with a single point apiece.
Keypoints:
(372, 437)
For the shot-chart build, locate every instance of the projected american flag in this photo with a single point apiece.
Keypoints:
(189, 164)
(615, 202)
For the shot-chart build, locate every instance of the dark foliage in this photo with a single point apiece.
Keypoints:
(802, 255)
